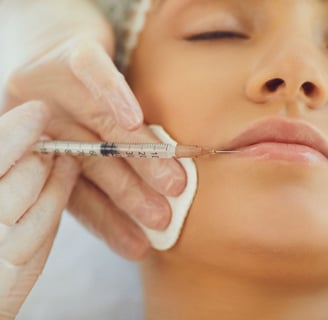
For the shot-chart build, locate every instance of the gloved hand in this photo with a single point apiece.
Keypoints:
(33, 192)
(59, 52)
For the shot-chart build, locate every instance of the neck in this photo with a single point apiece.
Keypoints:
(183, 290)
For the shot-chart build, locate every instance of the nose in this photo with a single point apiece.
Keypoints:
(292, 76)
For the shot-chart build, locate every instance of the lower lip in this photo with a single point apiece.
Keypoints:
(282, 151)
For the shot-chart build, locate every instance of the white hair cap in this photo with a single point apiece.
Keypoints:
(127, 18)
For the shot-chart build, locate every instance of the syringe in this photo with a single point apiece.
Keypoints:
(124, 150)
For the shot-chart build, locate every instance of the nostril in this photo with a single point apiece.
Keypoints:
(309, 89)
(274, 84)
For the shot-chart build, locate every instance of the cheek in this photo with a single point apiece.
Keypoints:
(190, 100)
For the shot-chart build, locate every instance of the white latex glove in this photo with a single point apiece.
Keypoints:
(33, 192)
(59, 52)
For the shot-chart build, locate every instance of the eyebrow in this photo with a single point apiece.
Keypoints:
(161, 5)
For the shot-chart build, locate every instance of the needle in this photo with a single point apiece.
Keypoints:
(224, 151)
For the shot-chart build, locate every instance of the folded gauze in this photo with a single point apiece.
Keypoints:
(163, 240)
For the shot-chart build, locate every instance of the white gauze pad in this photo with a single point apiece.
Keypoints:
(166, 239)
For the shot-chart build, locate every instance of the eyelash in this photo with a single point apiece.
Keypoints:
(217, 35)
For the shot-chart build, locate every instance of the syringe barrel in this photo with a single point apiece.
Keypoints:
(117, 150)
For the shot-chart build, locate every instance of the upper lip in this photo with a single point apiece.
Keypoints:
(280, 131)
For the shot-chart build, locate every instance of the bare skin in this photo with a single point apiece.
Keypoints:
(255, 244)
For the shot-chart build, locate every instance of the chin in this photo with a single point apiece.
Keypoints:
(276, 231)
(266, 252)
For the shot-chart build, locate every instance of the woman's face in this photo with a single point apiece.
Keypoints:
(207, 70)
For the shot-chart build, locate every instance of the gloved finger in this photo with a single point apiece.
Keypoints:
(101, 216)
(128, 192)
(82, 105)
(85, 64)
(91, 64)
(9, 275)
(19, 128)
(33, 267)
(42, 219)
(17, 281)
(70, 97)
(21, 186)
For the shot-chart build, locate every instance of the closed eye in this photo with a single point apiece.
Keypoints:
(217, 35)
